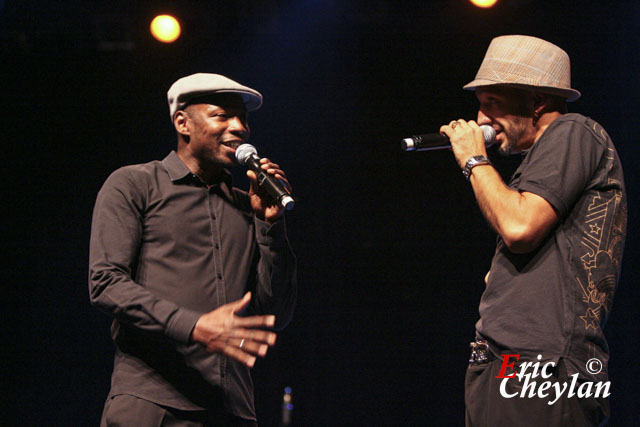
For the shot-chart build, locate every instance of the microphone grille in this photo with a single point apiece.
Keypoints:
(244, 151)
(489, 135)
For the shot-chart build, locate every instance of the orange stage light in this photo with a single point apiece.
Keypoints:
(484, 3)
(165, 28)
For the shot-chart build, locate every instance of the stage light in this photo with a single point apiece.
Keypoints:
(484, 3)
(165, 28)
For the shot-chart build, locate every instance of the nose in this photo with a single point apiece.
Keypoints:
(483, 119)
(238, 126)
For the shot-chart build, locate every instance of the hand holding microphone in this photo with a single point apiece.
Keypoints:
(469, 143)
(439, 141)
(270, 179)
(461, 136)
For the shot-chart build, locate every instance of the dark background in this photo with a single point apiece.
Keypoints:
(392, 248)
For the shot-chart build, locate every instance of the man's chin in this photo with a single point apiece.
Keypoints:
(231, 161)
(504, 151)
(228, 157)
(506, 147)
(225, 162)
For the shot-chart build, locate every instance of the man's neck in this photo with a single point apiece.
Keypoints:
(209, 174)
(543, 123)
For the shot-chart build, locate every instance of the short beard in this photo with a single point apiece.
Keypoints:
(508, 149)
(513, 133)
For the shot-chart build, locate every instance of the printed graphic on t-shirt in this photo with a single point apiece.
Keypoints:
(603, 240)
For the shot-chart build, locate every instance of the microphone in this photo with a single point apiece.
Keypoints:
(437, 141)
(248, 155)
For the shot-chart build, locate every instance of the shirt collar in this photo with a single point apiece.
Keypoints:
(178, 171)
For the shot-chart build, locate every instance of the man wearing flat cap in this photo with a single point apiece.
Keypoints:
(195, 272)
(561, 224)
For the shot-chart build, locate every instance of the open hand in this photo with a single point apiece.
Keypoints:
(242, 338)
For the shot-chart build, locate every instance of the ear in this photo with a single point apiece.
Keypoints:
(180, 122)
(540, 103)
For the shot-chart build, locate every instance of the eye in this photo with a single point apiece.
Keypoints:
(490, 102)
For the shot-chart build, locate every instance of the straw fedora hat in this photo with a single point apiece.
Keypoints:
(528, 62)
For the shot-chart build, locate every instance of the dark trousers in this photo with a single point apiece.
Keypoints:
(485, 406)
(124, 410)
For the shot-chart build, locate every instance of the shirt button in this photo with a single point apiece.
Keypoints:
(217, 246)
(213, 216)
(219, 275)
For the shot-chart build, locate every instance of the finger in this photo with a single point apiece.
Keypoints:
(252, 347)
(285, 181)
(253, 182)
(278, 173)
(269, 165)
(240, 355)
(258, 336)
(252, 176)
(274, 169)
(253, 336)
(280, 176)
(263, 337)
(473, 124)
(461, 123)
(241, 304)
(252, 322)
(446, 129)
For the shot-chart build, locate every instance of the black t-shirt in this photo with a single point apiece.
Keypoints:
(555, 300)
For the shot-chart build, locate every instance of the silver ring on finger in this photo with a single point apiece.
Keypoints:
(241, 343)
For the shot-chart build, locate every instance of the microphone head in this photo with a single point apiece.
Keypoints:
(244, 152)
(489, 135)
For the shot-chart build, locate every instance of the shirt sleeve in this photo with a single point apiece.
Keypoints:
(116, 234)
(561, 165)
(276, 284)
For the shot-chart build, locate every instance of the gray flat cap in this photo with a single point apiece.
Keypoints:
(201, 84)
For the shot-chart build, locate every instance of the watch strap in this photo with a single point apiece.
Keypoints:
(473, 162)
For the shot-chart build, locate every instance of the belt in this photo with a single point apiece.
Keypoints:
(480, 352)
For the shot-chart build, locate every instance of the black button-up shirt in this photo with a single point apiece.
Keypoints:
(165, 249)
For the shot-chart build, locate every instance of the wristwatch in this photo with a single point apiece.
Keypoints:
(473, 162)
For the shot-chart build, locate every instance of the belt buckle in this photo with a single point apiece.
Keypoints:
(479, 352)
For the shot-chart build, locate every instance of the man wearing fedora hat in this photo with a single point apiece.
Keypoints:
(194, 271)
(561, 224)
